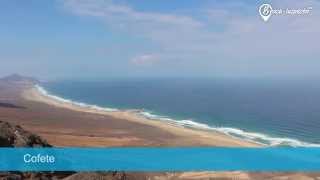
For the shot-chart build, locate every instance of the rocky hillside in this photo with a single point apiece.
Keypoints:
(15, 136)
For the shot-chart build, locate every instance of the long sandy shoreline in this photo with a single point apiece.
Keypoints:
(67, 125)
(211, 138)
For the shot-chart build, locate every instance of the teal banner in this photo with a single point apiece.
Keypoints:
(160, 159)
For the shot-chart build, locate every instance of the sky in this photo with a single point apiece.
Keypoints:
(158, 38)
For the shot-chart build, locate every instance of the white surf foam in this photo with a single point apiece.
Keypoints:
(236, 133)
(63, 100)
(233, 132)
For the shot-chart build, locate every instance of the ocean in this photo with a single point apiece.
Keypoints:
(271, 112)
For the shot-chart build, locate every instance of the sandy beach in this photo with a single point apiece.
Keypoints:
(185, 136)
(66, 124)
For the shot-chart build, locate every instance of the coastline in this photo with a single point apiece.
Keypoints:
(207, 138)
(261, 139)
(63, 127)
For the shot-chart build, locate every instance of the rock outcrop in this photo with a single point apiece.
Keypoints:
(15, 136)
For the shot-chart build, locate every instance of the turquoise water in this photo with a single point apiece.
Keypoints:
(271, 112)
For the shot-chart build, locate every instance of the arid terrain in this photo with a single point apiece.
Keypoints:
(27, 123)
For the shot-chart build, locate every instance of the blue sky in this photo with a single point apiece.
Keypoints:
(143, 38)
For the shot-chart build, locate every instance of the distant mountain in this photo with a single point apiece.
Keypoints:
(18, 79)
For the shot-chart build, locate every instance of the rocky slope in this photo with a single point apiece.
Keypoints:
(15, 136)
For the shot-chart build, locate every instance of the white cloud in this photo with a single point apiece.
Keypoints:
(145, 59)
(113, 12)
(223, 37)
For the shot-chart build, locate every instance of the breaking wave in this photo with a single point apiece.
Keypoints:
(259, 138)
